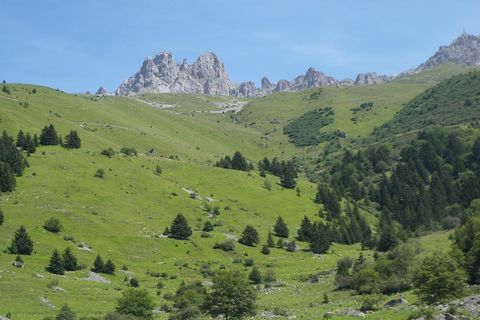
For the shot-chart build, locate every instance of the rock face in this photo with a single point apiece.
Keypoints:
(101, 91)
(162, 74)
(464, 50)
(207, 75)
(371, 78)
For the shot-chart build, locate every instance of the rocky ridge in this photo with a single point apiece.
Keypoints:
(207, 75)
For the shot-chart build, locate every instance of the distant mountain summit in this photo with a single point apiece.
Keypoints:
(162, 74)
(207, 75)
(465, 50)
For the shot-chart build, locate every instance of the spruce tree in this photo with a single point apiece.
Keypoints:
(56, 265)
(49, 136)
(7, 178)
(72, 140)
(69, 260)
(255, 276)
(98, 265)
(249, 236)
(280, 228)
(21, 140)
(287, 178)
(305, 230)
(30, 146)
(109, 267)
(21, 242)
(270, 242)
(180, 228)
(320, 239)
(239, 162)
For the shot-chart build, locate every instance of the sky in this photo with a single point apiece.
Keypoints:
(78, 45)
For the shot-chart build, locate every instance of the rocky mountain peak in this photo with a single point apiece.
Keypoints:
(464, 50)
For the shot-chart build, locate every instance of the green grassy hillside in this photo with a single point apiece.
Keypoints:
(123, 215)
(454, 101)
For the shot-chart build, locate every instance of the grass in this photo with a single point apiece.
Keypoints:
(123, 215)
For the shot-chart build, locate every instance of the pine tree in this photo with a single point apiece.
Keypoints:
(270, 242)
(255, 276)
(305, 230)
(239, 162)
(7, 178)
(36, 140)
(21, 242)
(30, 146)
(249, 236)
(180, 228)
(49, 136)
(280, 228)
(72, 140)
(98, 265)
(56, 265)
(287, 178)
(20, 140)
(69, 260)
(109, 267)
(320, 239)
(2, 217)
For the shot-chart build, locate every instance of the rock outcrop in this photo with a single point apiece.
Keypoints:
(465, 50)
(371, 78)
(101, 91)
(162, 74)
(207, 75)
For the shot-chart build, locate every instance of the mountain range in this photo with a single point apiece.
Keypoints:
(207, 75)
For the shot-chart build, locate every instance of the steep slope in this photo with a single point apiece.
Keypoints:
(454, 101)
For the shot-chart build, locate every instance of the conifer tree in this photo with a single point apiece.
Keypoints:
(56, 265)
(270, 242)
(180, 228)
(109, 267)
(98, 265)
(7, 178)
(255, 276)
(281, 228)
(320, 239)
(2, 217)
(69, 260)
(305, 230)
(21, 242)
(249, 236)
(239, 162)
(49, 136)
(72, 140)
(20, 140)
(30, 146)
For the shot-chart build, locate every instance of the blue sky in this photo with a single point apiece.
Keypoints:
(78, 45)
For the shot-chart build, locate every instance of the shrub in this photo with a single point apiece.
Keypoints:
(265, 250)
(53, 225)
(109, 152)
(134, 283)
(137, 303)
(100, 173)
(228, 245)
(65, 313)
(129, 151)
